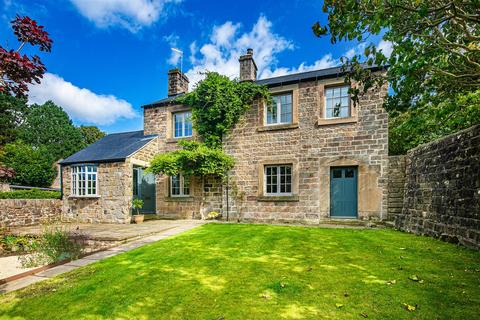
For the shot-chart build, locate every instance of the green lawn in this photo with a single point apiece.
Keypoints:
(265, 272)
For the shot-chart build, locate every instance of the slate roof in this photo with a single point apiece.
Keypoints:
(282, 80)
(164, 101)
(111, 148)
(308, 76)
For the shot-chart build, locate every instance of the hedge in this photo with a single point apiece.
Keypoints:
(30, 194)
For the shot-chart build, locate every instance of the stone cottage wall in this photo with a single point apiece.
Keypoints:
(442, 189)
(158, 120)
(313, 146)
(115, 188)
(396, 185)
(27, 212)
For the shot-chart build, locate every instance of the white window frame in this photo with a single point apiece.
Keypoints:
(183, 122)
(347, 96)
(182, 187)
(91, 175)
(278, 193)
(279, 110)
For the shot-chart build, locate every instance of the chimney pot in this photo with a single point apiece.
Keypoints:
(177, 82)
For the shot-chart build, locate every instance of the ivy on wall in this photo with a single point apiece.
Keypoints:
(217, 104)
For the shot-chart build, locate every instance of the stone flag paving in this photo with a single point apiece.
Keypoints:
(50, 273)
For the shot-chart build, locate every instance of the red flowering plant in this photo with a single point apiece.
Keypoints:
(6, 174)
(17, 71)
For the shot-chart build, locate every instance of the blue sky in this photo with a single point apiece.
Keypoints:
(110, 57)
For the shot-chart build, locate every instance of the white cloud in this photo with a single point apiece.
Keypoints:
(130, 14)
(80, 103)
(227, 44)
(386, 47)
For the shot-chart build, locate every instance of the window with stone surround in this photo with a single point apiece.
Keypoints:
(182, 124)
(179, 186)
(280, 111)
(84, 181)
(278, 180)
(337, 102)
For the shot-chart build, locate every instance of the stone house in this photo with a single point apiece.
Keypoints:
(312, 155)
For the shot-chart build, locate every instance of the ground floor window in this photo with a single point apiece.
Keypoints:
(84, 180)
(179, 186)
(278, 180)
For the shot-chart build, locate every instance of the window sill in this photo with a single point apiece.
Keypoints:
(326, 122)
(175, 140)
(292, 198)
(84, 197)
(278, 127)
(178, 199)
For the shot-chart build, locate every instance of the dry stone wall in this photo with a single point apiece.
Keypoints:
(442, 189)
(27, 212)
(396, 185)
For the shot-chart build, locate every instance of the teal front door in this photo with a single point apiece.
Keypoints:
(343, 192)
(144, 188)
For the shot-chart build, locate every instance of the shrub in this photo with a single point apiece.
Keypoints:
(33, 165)
(30, 194)
(11, 243)
(213, 215)
(55, 244)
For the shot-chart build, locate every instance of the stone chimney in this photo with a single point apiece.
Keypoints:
(177, 82)
(248, 68)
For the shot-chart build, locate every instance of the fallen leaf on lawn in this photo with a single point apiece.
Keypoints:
(414, 278)
(338, 305)
(265, 295)
(364, 315)
(403, 248)
(389, 282)
(421, 281)
(409, 308)
(309, 269)
(282, 285)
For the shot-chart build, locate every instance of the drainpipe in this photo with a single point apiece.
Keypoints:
(61, 181)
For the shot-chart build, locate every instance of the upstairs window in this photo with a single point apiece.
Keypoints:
(280, 111)
(337, 102)
(182, 124)
(84, 181)
(278, 180)
(179, 186)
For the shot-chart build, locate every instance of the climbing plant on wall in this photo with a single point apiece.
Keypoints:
(217, 104)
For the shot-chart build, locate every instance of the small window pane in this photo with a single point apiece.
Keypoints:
(349, 173)
(337, 173)
(337, 102)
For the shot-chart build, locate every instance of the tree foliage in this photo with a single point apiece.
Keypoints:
(33, 166)
(12, 112)
(426, 123)
(49, 126)
(217, 104)
(194, 159)
(436, 45)
(17, 71)
(91, 134)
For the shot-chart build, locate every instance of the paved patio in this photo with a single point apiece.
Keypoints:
(134, 235)
(112, 232)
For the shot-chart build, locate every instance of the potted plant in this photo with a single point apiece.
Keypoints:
(137, 204)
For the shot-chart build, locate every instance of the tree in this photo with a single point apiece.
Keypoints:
(91, 134)
(33, 166)
(48, 126)
(17, 71)
(436, 45)
(12, 111)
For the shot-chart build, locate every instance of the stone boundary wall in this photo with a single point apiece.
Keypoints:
(27, 212)
(396, 185)
(442, 189)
